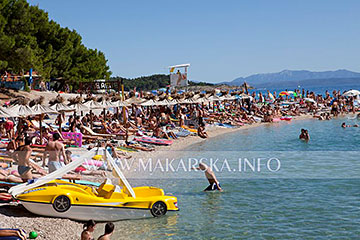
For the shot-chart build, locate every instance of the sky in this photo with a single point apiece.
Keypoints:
(222, 40)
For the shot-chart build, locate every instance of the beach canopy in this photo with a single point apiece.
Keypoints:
(134, 100)
(352, 93)
(284, 93)
(309, 100)
(148, 103)
(4, 113)
(120, 103)
(22, 111)
(214, 98)
(79, 107)
(93, 105)
(60, 107)
(43, 109)
(106, 104)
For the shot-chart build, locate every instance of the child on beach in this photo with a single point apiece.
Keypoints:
(109, 229)
(89, 228)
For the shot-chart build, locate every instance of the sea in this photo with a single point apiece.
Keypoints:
(275, 186)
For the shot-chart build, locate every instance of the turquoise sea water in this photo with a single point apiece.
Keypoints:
(315, 194)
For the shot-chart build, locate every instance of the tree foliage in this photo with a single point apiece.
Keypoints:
(28, 39)
(152, 82)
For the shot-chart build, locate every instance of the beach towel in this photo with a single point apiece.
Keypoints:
(77, 137)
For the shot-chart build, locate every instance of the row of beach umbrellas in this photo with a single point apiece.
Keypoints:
(25, 110)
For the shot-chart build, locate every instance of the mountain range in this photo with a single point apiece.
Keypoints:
(295, 78)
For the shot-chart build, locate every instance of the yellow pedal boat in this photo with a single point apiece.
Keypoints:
(49, 196)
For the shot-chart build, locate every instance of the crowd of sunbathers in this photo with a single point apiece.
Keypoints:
(163, 122)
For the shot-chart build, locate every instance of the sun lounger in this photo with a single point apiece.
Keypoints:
(92, 133)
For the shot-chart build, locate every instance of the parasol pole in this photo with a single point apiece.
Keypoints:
(123, 99)
(40, 122)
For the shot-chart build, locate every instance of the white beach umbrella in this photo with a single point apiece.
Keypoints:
(60, 107)
(309, 100)
(79, 107)
(39, 108)
(4, 113)
(352, 93)
(214, 98)
(107, 104)
(148, 103)
(134, 100)
(120, 103)
(22, 111)
(93, 105)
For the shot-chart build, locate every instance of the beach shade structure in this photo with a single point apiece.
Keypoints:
(107, 104)
(188, 101)
(352, 93)
(165, 102)
(213, 98)
(22, 111)
(284, 93)
(4, 113)
(41, 110)
(60, 107)
(93, 105)
(148, 103)
(244, 96)
(120, 104)
(292, 93)
(134, 100)
(309, 100)
(201, 100)
(79, 107)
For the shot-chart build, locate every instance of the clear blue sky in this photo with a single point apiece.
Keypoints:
(222, 40)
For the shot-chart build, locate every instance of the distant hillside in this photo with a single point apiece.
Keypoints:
(351, 82)
(293, 77)
(152, 82)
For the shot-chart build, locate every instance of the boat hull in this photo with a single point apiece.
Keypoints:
(84, 213)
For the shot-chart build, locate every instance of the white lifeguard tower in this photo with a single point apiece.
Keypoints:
(179, 78)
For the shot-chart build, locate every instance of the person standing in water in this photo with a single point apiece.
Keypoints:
(304, 135)
(214, 184)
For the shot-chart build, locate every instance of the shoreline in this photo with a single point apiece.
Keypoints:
(181, 144)
(59, 229)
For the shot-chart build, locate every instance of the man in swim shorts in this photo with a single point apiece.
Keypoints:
(54, 149)
(22, 156)
(210, 176)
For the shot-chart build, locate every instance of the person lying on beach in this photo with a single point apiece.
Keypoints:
(82, 169)
(201, 131)
(109, 229)
(12, 234)
(210, 176)
(89, 228)
(10, 176)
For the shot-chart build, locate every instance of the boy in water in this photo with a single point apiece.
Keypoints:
(210, 175)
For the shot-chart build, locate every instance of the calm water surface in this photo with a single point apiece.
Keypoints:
(315, 195)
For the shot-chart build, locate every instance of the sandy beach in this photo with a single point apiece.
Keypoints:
(61, 229)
